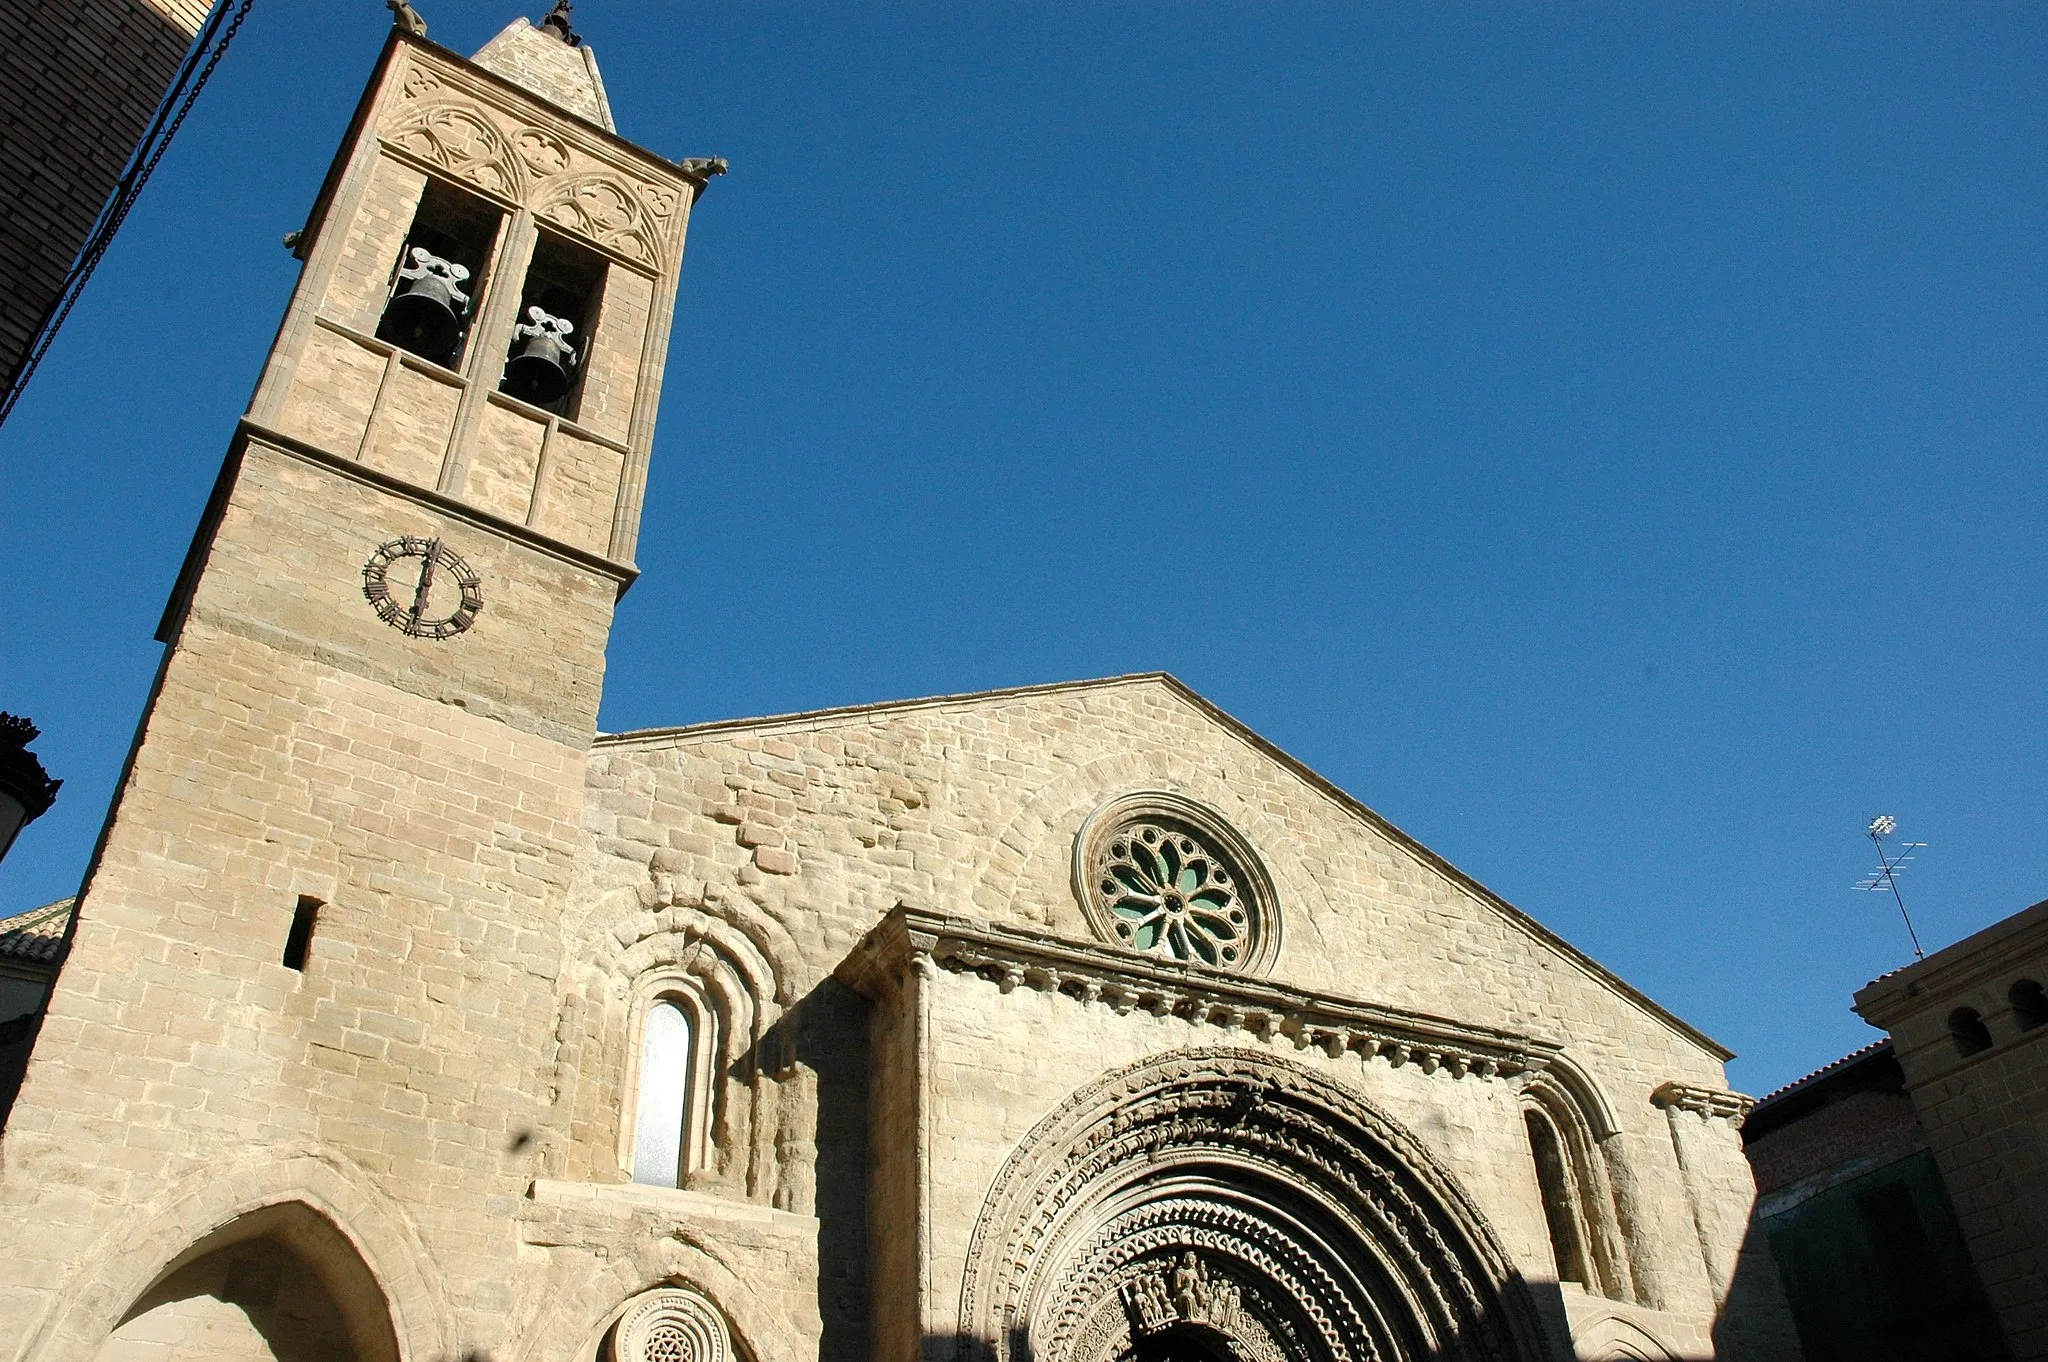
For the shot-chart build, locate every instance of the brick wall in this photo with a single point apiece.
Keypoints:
(79, 80)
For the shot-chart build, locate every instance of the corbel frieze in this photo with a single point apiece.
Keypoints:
(1010, 958)
(471, 130)
(1710, 1103)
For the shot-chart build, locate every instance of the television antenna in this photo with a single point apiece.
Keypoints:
(1888, 866)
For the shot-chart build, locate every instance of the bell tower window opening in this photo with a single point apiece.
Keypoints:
(1966, 1027)
(662, 1117)
(1560, 1211)
(551, 337)
(440, 273)
(2029, 1004)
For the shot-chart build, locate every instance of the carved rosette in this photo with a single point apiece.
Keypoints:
(1219, 1205)
(670, 1325)
(443, 122)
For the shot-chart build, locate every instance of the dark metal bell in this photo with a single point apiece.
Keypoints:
(425, 314)
(538, 370)
(423, 324)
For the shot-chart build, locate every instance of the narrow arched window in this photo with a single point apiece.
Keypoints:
(1970, 1033)
(2029, 1004)
(662, 1115)
(1560, 1212)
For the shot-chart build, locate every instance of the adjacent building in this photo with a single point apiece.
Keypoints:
(1969, 1027)
(79, 83)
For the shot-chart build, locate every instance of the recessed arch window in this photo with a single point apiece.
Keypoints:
(1968, 1031)
(670, 1120)
(662, 1115)
(683, 1035)
(1574, 1147)
(2029, 1004)
(1560, 1207)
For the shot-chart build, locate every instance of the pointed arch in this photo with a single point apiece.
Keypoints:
(315, 1204)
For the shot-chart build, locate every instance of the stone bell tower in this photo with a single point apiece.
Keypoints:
(316, 959)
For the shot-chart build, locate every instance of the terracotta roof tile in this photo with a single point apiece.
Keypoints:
(38, 934)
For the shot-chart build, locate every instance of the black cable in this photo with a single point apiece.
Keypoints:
(205, 54)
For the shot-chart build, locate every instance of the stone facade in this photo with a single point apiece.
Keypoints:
(81, 80)
(1968, 1025)
(407, 1018)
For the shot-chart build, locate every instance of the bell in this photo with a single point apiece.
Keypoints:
(425, 314)
(539, 370)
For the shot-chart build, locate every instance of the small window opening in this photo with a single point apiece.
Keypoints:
(440, 274)
(299, 940)
(2029, 1004)
(1970, 1033)
(1553, 1180)
(663, 1113)
(544, 364)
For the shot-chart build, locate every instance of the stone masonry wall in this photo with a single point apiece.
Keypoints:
(1987, 1124)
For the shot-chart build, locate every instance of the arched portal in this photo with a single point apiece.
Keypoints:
(281, 1284)
(1218, 1206)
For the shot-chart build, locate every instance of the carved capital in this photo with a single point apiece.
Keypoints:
(1707, 1103)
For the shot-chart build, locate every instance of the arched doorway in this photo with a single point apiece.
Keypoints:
(1219, 1206)
(281, 1284)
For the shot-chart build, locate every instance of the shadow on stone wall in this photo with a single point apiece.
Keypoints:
(1755, 1320)
(826, 1033)
(17, 1043)
(1483, 1341)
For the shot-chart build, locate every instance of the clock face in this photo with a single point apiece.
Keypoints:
(420, 588)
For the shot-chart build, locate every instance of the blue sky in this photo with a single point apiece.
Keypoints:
(1605, 439)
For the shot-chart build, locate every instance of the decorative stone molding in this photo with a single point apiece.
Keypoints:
(1704, 1102)
(1185, 1295)
(671, 1325)
(1017, 957)
(1240, 1200)
(625, 202)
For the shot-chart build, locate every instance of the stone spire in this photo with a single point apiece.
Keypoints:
(550, 61)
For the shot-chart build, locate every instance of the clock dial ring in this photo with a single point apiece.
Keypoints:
(406, 609)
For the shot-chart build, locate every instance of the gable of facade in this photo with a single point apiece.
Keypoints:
(969, 818)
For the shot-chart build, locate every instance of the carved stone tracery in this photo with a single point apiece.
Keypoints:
(671, 1325)
(1160, 874)
(445, 124)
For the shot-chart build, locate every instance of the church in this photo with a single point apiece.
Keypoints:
(408, 1018)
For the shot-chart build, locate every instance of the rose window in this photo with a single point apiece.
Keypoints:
(1162, 875)
(1170, 895)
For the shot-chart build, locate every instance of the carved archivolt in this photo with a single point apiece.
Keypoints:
(449, 126)
(1249, 1209)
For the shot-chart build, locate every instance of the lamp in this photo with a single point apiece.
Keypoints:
(26, 790)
